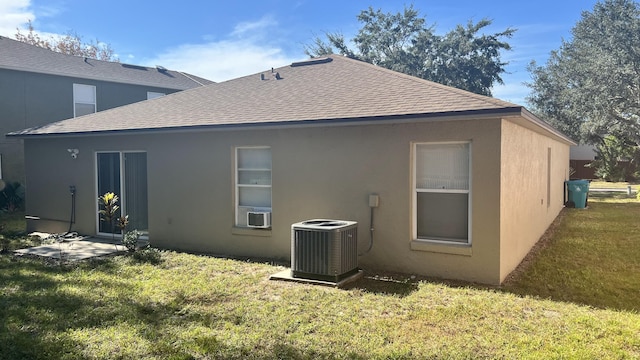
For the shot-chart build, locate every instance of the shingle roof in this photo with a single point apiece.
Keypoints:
(328, 89)
(17, 55)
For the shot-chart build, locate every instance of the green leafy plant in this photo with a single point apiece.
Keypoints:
(616, 159)
(122, 223)
(109, 208)
(130, 240)
(4, 242)
(12, 197)
(148, 255)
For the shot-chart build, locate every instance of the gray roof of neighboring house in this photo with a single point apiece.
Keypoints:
(324, 90)
(16, 55)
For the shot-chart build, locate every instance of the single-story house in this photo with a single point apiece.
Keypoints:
(464, 185)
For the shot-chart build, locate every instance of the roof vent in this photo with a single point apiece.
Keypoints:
(314, 61)
(274, 75)
(161, 68)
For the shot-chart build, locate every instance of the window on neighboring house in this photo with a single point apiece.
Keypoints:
(252, 182)
(153, 95)
(84, 99)
(442, 192)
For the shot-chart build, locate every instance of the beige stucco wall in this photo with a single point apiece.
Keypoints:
(527, 182)
(318, 172)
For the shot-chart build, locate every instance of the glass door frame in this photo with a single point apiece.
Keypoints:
(121, 196)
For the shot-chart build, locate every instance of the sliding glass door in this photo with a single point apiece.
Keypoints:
(125, 174)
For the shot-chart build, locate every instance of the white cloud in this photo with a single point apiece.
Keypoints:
(223, 60)
(254, 28)
(514, 91)
(14, 14)
(246, 50)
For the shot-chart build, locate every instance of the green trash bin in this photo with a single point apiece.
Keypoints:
(578, 192)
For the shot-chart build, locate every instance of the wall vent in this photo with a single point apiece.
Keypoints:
(324, 249)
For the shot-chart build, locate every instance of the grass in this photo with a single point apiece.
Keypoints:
(198, 307)
(12, 232)
(598, 184)
(592, 257)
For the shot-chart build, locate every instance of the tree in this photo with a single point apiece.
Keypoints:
(70, 44)
(463, 58)
(615, 160)
(590, 87)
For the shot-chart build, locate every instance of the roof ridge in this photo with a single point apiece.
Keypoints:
(340, 91)
(20, 56)
(40, 48)
(189, 77)
(489, 99)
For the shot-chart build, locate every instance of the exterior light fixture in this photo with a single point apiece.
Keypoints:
(74, 153)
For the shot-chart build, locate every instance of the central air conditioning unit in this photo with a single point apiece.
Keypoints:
(324, 249)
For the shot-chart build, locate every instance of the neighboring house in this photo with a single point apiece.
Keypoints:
(39, 86)
(581, 155)
(467, 184)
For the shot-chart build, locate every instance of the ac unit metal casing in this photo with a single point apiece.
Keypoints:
(324, 249)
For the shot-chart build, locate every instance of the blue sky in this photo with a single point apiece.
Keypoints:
(221, 40)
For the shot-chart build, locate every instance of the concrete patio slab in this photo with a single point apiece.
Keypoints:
(74, 249)
(285, 275)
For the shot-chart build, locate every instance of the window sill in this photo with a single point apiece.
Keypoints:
(250, 231)
(453, 249)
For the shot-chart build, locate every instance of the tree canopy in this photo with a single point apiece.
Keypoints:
(590, 87)
(69, 44)
(464, 57)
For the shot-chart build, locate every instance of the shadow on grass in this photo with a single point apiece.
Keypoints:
(33, 307)
(385, 283)
(586, 257)
(42, 303)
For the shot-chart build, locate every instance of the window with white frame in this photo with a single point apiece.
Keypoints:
(84, 99)
(252, 182)
(442, 192)
(153, 95)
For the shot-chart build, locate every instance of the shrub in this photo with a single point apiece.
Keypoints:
(130, 240)
(12, 197)
(148, 255)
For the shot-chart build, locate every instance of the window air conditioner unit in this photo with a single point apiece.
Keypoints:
(259, 219)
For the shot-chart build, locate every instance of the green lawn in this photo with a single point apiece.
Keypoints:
(593, 257)
(612, 185)
(576, 299)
